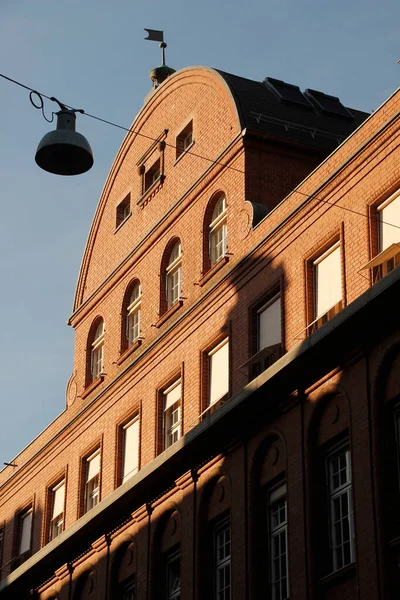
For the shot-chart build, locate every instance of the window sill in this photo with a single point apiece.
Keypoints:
(151, 192)
(211, 272)
(171, 311)
(122, 223)
(129, 351)
(184, 152)
(92, 386)
(337, 576)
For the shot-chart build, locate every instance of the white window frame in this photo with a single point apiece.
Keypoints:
(23, 548)
(57, 520)
(173, 586)
(173, 281)
(218, 232)
(97, 353)
(134, 314)
(126, 476)
(336, 494)
(278, 543)
(172, 416)
(92, 485)
(222, 561)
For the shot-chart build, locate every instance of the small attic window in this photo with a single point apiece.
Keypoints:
(123, 210)
(184, 140)
(152, 175)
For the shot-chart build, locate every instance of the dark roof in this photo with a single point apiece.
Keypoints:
(281, 110)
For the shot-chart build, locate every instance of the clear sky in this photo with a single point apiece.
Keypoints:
(91, 54)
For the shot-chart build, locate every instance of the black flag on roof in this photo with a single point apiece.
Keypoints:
(155, 35)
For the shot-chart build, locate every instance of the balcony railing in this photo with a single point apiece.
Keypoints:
(263, 359)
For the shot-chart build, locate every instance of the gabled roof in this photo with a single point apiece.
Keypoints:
(276, 109)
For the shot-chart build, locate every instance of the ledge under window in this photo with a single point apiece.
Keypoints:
(171, 311)
(211, 272)
(122, 223)
(151, 192)
(129, 351)
(337, 576)
(184, 152)
(92, 386)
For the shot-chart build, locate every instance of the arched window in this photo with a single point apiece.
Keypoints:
(218, 232)
(133, 314)
(173, 281)
(97, 351)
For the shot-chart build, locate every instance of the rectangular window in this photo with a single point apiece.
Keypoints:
(172, 400)
(327, 286)
(25, 532)
(130, 441)
(218, 359)
(389, 222)
(173, 576)
(57, 511)
(340, 508)
(222, 560)
(152, 175)
(277, 529)
(184, 139)
(123, 210)
(92, 480)
(388, 238)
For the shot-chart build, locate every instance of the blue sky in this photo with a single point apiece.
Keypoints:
(91, 54)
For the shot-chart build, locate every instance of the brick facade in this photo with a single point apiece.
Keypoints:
(336, 386)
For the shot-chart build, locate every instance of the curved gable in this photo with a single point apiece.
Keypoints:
(197, 95)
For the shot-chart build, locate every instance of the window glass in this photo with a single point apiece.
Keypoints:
(219, 371)
(172, 414)
(173, 576)
(131, 450)
(340, 508)
(269, 324)
(57, 518)
(92, 491)
(277, 526)
(25, 532)
(174, 276)
(328, 281)
(134, 313)
(98, 351)
(218, 232)
(389, 215)
(222, 561)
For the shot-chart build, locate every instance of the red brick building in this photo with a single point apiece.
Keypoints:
(231, 428)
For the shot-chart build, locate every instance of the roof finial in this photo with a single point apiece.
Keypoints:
(159, 74)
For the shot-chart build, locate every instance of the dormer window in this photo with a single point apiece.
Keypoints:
(184, 140)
